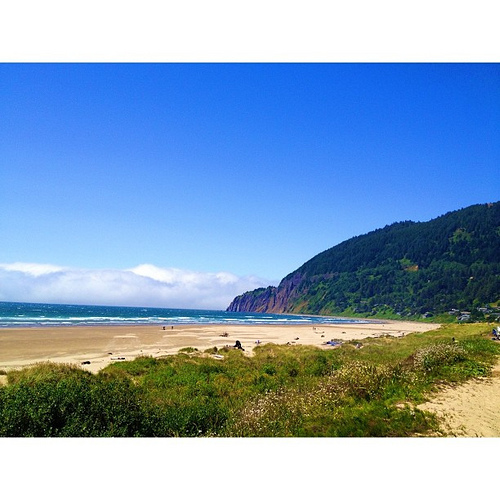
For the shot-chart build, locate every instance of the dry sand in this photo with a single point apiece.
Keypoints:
(471, 409)
(101, 345)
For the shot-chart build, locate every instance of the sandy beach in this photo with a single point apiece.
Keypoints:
(466, 410)
(103, 345)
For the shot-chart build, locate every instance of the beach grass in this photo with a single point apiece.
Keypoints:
(282, 390)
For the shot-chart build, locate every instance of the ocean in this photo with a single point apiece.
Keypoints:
(17, 314)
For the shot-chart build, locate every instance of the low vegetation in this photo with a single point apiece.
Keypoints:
(279, 391)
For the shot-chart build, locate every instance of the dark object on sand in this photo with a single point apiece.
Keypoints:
(238, 345)
(85, 362)
(333, 342)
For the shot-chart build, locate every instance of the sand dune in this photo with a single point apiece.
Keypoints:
(470, 409)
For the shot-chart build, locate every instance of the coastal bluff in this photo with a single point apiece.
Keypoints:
(406, 269)
(272, 299)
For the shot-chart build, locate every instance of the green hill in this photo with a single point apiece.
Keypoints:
(405, 269)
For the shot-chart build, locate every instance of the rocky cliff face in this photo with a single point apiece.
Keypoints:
(271, 299)
(258, 300)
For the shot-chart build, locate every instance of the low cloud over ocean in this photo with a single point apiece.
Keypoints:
(144, 285)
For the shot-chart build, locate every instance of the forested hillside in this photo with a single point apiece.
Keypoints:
(404, 269)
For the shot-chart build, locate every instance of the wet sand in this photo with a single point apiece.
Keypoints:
(102, 345)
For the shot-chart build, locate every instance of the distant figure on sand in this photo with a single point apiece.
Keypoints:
(238, 345)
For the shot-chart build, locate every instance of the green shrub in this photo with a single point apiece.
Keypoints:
(360, 380)
(465, 370)
(211, 350)
(80, 405)
(433, 357)
(139, 366)
(374, 419)
(480, 346)
(188, 350)
(269, 369)
(276, 413)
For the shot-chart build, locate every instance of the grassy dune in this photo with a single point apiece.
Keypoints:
(279, 391)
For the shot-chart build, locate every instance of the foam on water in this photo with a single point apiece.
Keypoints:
(16, 314)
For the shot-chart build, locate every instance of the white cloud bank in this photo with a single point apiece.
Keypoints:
(144, 285)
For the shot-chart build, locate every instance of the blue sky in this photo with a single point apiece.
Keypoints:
(234, 173)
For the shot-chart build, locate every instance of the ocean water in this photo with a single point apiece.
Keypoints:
(17, 314)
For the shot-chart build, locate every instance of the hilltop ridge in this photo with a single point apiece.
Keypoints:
(448, 264)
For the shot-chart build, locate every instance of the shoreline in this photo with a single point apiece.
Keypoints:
(102, 345)
(337, 320)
